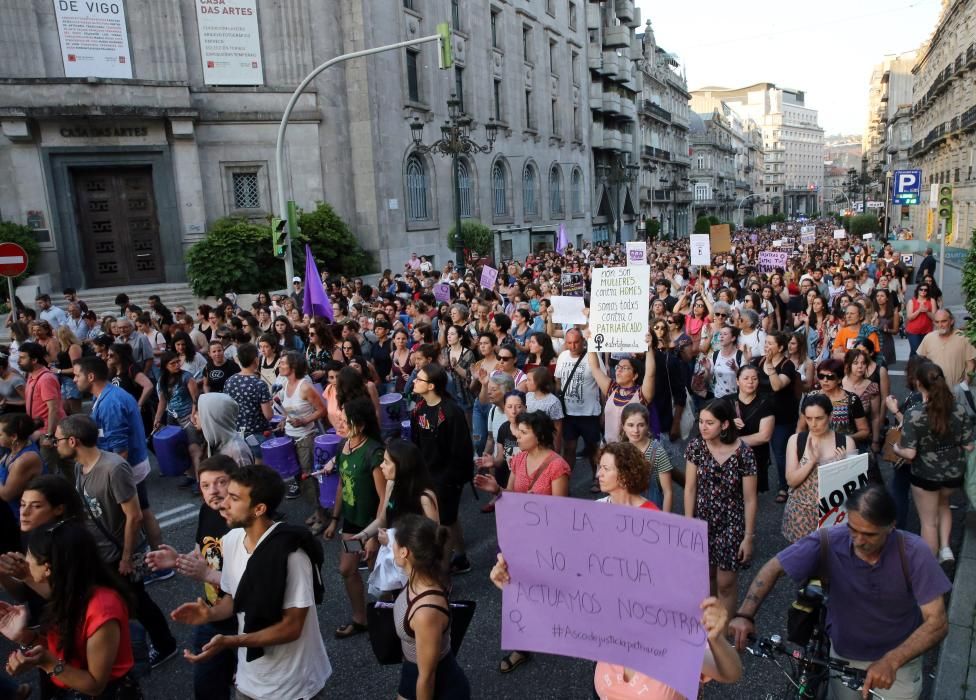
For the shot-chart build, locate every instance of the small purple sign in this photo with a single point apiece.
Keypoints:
(442, 291)
(754, 238)
(488, 277)
(605, 582)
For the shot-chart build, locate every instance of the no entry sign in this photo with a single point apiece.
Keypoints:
(13, 260)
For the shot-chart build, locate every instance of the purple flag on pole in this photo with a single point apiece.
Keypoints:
(562, 243)
(316, 301)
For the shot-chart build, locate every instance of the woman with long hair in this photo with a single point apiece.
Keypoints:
(857, 381)
(13, 388)
(936, 437)
(720, 488)
(888, 322)
(429, 670)
(777, 375)
(540, 353)
(900, 485)
(21, 463)
(190, 360)
(69, 350)
(754, 419)
(920, 317)
(83, 644)
(635, 430)
(806, 452)
(457, 358)
(633, 383)
(269, 354)
(321, 350)
(127, 375)
(359, 501)
(178, 394)
(402, 365)
(286, 336)
(797, 353)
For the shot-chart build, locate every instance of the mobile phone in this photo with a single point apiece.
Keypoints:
(352, 546)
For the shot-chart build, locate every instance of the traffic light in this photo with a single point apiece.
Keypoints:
(945, 202)
(445, 55)
(279, 236)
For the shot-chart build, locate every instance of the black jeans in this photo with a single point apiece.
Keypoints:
(152, 618)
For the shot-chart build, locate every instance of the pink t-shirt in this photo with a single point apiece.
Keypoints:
(556, 468)
(610, 684)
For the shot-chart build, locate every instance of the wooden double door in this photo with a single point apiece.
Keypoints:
(118, 226)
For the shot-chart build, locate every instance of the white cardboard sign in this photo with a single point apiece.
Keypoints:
(619, 305)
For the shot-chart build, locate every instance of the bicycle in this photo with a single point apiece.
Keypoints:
(810, 664)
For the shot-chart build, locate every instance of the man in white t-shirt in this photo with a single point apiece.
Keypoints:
(271, 575)
(581, 399)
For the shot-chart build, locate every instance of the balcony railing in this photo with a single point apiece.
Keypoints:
(654, 110)
(968, 118)
(656, 153)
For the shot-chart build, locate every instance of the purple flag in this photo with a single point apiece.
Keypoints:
(316, 301)
(562, 243)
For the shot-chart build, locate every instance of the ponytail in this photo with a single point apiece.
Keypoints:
(428, 544)
(941, 402)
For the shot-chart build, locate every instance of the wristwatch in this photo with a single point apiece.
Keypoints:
(58, 668)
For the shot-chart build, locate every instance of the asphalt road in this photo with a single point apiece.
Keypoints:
(356, 673)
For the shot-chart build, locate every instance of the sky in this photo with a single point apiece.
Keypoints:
(826, 48)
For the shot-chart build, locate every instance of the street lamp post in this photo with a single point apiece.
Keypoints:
(455, 141)
(617, 173)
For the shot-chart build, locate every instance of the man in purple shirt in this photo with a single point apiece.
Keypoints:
(885, 607)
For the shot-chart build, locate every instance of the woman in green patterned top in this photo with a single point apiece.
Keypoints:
(359, 501)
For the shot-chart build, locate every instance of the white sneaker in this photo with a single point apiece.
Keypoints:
(945, 554)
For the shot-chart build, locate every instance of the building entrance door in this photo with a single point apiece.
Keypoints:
(119, 228)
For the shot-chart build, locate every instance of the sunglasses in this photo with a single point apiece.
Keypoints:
(827, 377)
(721, 315)
(506, 358)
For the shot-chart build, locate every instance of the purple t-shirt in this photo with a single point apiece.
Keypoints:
(871, 610)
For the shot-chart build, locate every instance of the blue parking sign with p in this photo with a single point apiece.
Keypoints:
(907, 187)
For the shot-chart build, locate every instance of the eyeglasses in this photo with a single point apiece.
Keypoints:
(59, 439)
(421, 379)
(506, 358)
(923, 291)
(827, 377)
(720, 315)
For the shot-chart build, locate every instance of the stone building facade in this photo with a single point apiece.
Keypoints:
(121, 165)
(664, 116)
(944, 119)
(713, 165)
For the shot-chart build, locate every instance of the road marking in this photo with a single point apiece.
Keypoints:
(176, 521)
(179, 509)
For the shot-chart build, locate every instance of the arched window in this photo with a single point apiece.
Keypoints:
(530, 185)
(418, 190)
(499, 189)
(576, 192)
(464, 186)
(556, 208)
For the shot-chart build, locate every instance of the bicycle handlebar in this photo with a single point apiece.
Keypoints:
(770, 647)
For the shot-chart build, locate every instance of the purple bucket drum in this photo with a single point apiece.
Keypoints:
(392, 409)
(327, 447)
(405, 430)
(170, 446)
(279, 454)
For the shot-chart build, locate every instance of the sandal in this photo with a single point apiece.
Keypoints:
(781, 497)
(317, 527)
(513, 661)
(350, 629)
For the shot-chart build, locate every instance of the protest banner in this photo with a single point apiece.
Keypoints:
(567, 310)
(701, 249)
(721, 238)
(488, 277)
(778, 243)
(770, 260)
(605, 582)
(837, 481)
(753, 238)
(636, 253)
(619, 301)
(840, 234)
(572, 284)
(442, 291)
(808, 237)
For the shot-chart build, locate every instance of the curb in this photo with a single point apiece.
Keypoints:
(955, 675)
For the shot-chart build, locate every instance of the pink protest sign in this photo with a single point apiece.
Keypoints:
(488, 277)
(442, 291)
(605, 582)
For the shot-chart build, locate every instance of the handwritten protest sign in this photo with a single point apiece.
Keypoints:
(442, 291)
(488, 277)
(636, 253)
(619, 308)
(567, 310)
(770, 260)
(721, 237)
(837, 481)
(808, 237)
(840, 234)
(605, 582)
(572, 284)
(701, 249)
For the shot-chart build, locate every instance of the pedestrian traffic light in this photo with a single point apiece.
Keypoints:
(445, 57)
(945, 201)
(279, 236)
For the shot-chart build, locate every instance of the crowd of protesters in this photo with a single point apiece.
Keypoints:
(753, 379)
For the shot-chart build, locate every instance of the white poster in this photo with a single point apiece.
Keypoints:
(568, 310)
(94, 38)
(230, 44)
(636, 253)
(619, 301)
(837, 481)
(840, 234)
(701, 249)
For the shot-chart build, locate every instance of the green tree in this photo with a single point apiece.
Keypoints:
(863, 223)
(236, 255)
(749, 222)
(24, 237)
(332, 243)
(969, 288)
(713, 221)
(474, 236)
(652, 227)
(703, 225)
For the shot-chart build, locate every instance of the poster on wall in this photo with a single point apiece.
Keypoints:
(230, 43)
(94, 39)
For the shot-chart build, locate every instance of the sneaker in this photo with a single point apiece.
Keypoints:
(294, 491)
(157, 576)
(157, 658)
(460, 565)
(945, 554)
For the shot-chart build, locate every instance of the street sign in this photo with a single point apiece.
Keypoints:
(13, 260)
(907, 187)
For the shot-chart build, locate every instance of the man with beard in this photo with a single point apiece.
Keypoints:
(272, 580)
(949, 349)
(213, 677)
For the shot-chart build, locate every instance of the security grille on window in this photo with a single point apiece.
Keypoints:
(417, 192)
(499, 185)
(529, 205)
(246, 194)
(555, 192)
(464, 188)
